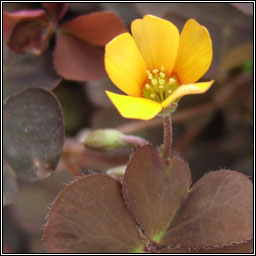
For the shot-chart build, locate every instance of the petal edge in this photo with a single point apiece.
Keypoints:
(157, 40)
(187, 89)
(124, 64)
(134, 107)
(195, 52)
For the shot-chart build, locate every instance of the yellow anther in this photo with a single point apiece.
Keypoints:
(162, 74)
(172, 80)
(159, 85)
(147, 86)
(154, 81)
(161, 81)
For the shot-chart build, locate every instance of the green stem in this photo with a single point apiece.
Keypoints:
(167, 137)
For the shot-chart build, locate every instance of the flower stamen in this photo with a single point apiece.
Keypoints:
(154, 81)
(172, 80)
(147, 86)
(162, 74)
(161, 81)
(159, 86)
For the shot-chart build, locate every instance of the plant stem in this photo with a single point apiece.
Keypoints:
(73, 168)
(47, 36)
(134, 140)
(167, 137)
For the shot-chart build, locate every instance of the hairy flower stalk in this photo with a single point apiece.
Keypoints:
(167, 137)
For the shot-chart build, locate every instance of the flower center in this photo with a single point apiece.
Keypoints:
(158, 86)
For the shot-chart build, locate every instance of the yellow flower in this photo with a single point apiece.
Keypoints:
(156, 66)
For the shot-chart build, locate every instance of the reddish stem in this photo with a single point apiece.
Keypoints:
(134, 140)
(73, 168)
(167, 137)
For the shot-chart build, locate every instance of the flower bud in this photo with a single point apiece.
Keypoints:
(103, 140)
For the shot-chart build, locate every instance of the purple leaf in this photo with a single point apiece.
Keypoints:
(218, 211)
(154, 189)
(244, 247)
(89, 216)
(96, 28)
(77, 60)
(32, 21)
(33, 132)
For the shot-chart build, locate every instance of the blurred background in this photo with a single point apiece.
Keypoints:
(210, 131)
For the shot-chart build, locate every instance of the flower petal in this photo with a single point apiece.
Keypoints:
(125, 65)
(134, 107)
(187, 89)
(195, 52)
(157, 40)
